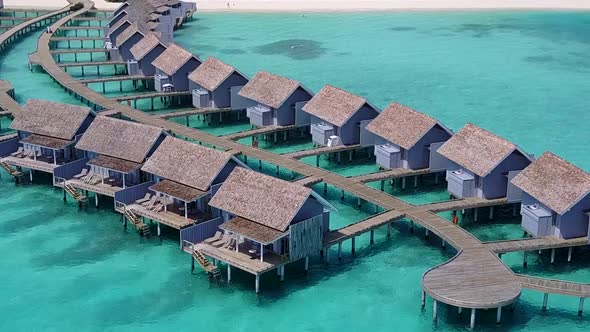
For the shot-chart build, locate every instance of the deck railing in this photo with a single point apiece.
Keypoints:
(199, 232)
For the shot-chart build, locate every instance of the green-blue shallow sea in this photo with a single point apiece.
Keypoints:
(521, 75)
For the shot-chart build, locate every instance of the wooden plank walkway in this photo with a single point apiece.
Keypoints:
(78, 50)
(531, 244)
(308, 181)
(460, 204)
(8, 137)
(81, 27)
(7, 103)
(91, 64)
(389, 174)
(116, 78)
(91, 38)
(151, 95)
(14, 18)
(361, 227)
(554, 286)
(90, 18)
(321, 150)
(475, 278)
(258, 131)
(194, 111)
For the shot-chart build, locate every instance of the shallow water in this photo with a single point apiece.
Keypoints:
(65, 268)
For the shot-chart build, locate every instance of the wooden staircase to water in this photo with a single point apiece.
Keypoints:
(140, 226)
(211, 269)
(76, 194)
(18, 175)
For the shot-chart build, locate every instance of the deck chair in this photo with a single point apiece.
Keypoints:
(17, 152)
(88, 177)
(27, 154)
(231, 244)
(215, 237)
(82, 174)
(145, 198)
(97, 179)
(226, 237)
(159, 207)
(150, 203)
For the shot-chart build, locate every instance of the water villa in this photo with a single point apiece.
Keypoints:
(275, 100)
(114, 152)
(126, 39)
(172, 69)
(183, 177)
(555, 199)
(337, 116)
(46, 134)
(268, 223)
(482, 164)
(143, 53)
(215, 84)
(405, 138)
(112, 33)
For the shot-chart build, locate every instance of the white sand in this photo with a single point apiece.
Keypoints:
(339, 5)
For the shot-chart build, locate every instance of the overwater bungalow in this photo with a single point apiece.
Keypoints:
(126, 39)
(555, 198)
(114, 152)
(46, 134)
(183, 176)
(173, 67)
(214, 85)
(275, 100)
(482, 164)
(143, 54)
(337, 116)
(404, 138)
(115, 30)
(268, 223)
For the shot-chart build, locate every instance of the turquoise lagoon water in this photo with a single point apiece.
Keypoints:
(70, 269)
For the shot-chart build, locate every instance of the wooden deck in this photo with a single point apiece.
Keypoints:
(242, 259)
(78, 50)
(361, 227)
(81, 27)
(100, 188)
(8, 137)
(389, 174)
(150, 95)
(460, 204)
(70, 39)
(7, 103)
(167, 218)
(258, 131)
(194, 111)
(554, 286)
(530, 244)
(475, 278)
(308, 181)
(116, 78)
(321, 150)
(91, 64)
(38, 165)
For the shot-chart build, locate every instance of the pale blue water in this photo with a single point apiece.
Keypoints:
(65, 269)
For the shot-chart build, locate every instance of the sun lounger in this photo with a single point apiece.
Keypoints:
(231, 244)
(27, 154)
(97, 179)
(145, 198)
(215, 237)
(159, 207)
(223, 240)
(17, 152)
(150, 203)
(88, 177)
(81, 175)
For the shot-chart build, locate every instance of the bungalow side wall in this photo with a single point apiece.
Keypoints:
(155, 146)
(85, 124)
(180, 79)
(574, 223)
(125, 48)
(225, 172)
(285, 115)
(222, 95)
(145, 64)
(350, 132)
(310, 209)
(495, 184)
(418, 156)
(113, 35)
(120, 9)
(115, 18)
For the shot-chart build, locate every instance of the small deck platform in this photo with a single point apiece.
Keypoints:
(195, 111)
(530, 244)
(389, 174)
(308, 181)
(358, 228)
(258, 131)
(242, 259)
(38, 165)
(461, 204)
(168, 218)
(321, 151)
(99, 188)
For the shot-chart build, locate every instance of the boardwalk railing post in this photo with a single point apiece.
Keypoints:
(545, 298)
(581, 306)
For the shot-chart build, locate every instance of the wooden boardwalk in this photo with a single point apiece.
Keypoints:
(361, 227)
(554, 286)
(116, 78)
(72, 28)
(151, 95)
(91, 64)
(308, 181)
(258, 131)
(474, 278)
(389, 174)
(194, 111)
(321, 150)
(91, 38)
(531, 244)
(78, 50)
(460, 204)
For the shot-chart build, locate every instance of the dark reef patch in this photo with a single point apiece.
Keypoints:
(297, 49)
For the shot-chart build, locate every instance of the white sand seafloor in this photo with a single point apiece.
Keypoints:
(340, 5)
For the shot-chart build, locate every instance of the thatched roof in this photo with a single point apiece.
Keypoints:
(144, 46)
(261, 198)
(119, 138)
(115, 164)
(211, 73)
(49, 118)
(554, 182)
(334, 105)
(402, 125)
(252, 230)
(46, 141)
(476, 149)
(187, 163)
(172, 59)
(180, 191)
(126, 34)
(269, 89)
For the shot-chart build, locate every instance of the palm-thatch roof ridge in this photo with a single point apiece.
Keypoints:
(334, 105)
(269, 89)
(145, 46)
(172, 59)
(211, 73)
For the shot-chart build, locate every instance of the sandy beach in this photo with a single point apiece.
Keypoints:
(341, 5)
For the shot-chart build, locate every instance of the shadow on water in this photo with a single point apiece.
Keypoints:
(402, 28)
(297, 49)
(233, 51)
